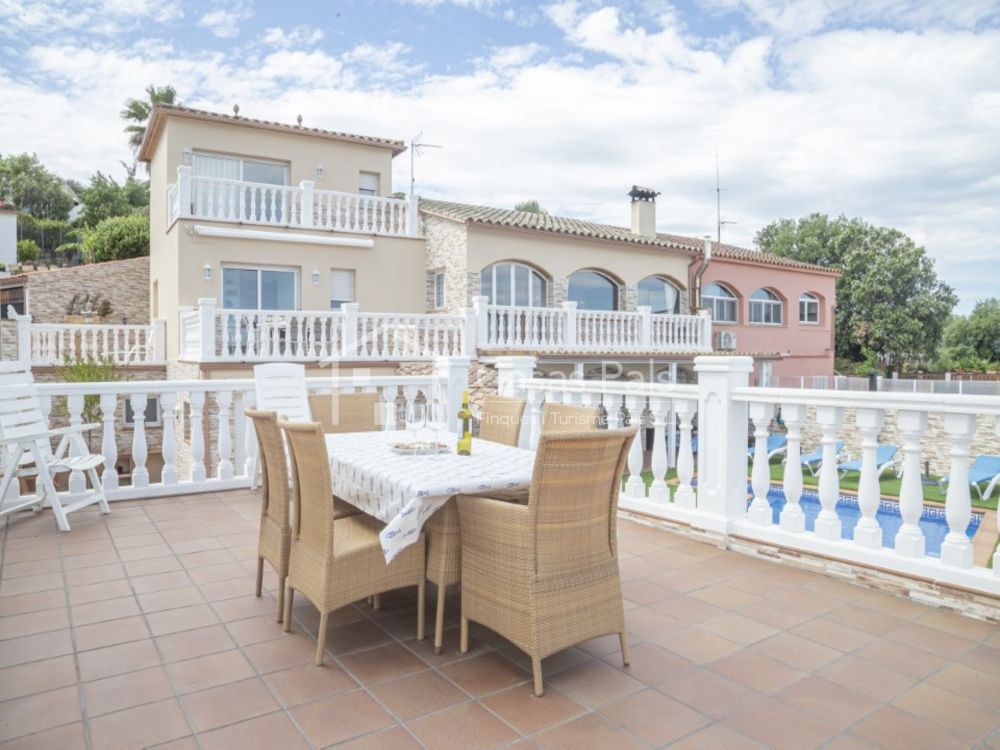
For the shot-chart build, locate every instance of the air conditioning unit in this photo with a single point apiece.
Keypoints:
(725, 341)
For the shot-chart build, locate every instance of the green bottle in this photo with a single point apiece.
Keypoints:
(465, 415)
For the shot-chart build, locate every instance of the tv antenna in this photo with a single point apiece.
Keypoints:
(417, 147)
(719, 223)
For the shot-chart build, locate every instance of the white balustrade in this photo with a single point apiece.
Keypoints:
(868, 533)
(634, 487)
(658, 490)
(140, 450)
(196, 427)
(828, 523)
(760, 512)
(109, 446)
(792, 517)
(168, 447)
(62, 343)
(956, 549)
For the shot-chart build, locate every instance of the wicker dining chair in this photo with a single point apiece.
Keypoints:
(545, 575)
(500, 419)
(337, 561)
(559, 418)
(347, 412)
(275, 524)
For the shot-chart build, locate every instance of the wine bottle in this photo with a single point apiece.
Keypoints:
(465, 417)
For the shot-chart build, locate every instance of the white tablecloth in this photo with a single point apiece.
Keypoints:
(404, 491)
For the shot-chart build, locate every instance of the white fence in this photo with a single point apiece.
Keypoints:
(50, 344)
(199, 428)
(891, 385)
(301, 206)
(718, 501)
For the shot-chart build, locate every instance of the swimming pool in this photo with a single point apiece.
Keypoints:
(932, 520)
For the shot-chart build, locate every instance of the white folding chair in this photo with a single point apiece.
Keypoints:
(280, 387)
(26, 449)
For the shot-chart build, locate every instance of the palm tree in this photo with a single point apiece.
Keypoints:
(136, 112)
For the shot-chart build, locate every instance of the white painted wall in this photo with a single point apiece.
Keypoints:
(8, 238)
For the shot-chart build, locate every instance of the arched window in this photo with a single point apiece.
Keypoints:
(720, 301)
(592, 291)
(809, 309)
(765, 308)
(659, 294)
(513, 284)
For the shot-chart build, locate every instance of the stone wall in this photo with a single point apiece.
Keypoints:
(934, 444)
(446, 251)
(124, 283)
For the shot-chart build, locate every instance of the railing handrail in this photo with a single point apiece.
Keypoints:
(949, 403)
(612, 387)
(93, 326)
(270, 186)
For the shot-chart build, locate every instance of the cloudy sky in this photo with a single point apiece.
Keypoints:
(884, 109)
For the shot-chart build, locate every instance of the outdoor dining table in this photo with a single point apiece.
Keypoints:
(404, 490)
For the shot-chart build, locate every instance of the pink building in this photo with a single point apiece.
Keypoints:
(777, 309)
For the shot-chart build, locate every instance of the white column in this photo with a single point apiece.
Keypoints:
(412, 216)
(249, 437)
(225, 468)
(569, 331)
(452, 374)
(470, 327)
(635, 487)
(706, 330)
(828, 525)
(77, 481)
(168, 413)
(956, 549)
(23, 337)
(684, 495)
(140, 474)
(206, 317)
(760, 512)
(659, 491)
(349, 342)
(645, 325)
(722, 444)
(308, 188)
(910, 537)
(109, 446)
(184, 191)
(158, 350)
(534, 410)
(511, 371)
(792, 518)
(868, 533)
(480, 307)
(197, 429)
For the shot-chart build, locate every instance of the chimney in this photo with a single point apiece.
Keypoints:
(643, 210)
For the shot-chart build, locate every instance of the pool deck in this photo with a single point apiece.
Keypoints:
(139, 629)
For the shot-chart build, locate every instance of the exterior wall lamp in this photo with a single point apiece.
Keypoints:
(319, 171)
(206, 271)
(186, 156)
(315, 277)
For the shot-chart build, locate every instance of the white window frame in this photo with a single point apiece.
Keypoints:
(440, 301)
(369, 191)
(767, 308)
(241, 159)
(354, 287)
(532, 302)
(712, 301)
(810, 301)
(258, 269)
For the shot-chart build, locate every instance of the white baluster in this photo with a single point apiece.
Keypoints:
(197, 428)
(534, 418)
(140, 474)
(612, 406)
(910, 537)
(828, 525)
(635, 487)
(77, 481)
(109, 446)
(792, 518)
(868, 533)
(956, 549)
(684, 496)
(168, 414)
(249, 437)
(224, 399)
(760, 512)
(659, 491)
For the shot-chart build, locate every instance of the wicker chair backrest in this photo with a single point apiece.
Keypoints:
(557, 418)
(312, 494)
(274, 467)
(500, 421)
(347, 412)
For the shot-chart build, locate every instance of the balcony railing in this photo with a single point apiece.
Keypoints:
(710, 494)
(48, 344)
(300, 207)
(212, 334)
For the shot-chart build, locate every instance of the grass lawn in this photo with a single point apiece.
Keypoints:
(890, 484)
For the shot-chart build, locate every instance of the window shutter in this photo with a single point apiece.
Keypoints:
(342, 287)
(368, 183)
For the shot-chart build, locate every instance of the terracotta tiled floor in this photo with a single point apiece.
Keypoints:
(140, 630)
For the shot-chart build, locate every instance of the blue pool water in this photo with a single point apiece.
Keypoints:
(932, 520)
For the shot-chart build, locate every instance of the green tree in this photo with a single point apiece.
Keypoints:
(26, 183)
(972, 342)
(117, 238)
(890, 301)
(27, 251)
(531, 206)
(48, 233)
(136, 112)
(104, 197)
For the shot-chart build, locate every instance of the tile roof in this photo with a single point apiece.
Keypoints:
(160, 112)
(541, 222)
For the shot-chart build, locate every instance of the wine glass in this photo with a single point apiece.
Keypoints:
(416, 418)
(437, 420)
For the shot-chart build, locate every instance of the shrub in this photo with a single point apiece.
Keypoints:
(27, 251)
(117, 238)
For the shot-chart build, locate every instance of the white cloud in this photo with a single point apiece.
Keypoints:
(225, 22)
(895, 126)
(99, 17)
(300, 36)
